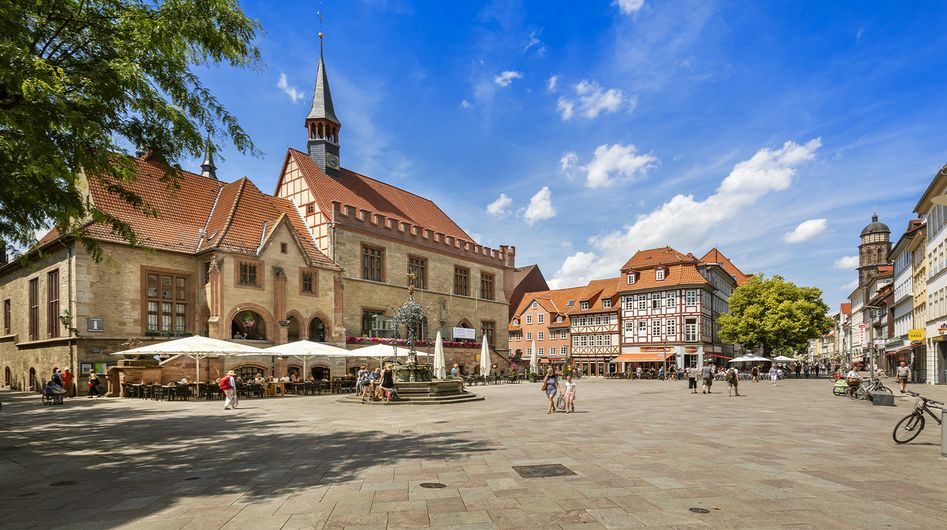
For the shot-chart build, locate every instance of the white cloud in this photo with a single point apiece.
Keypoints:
(552, 82)
(503, 79)
(850, 286)
(535, 42)
(568, 164)
(566, 108)
(540, 207)
(806, 230)
(846, 263)
(685, 222)
(594, 100)
(500, 207)
(629, 7)
(465, 104)
(291, 91)
(612, 163)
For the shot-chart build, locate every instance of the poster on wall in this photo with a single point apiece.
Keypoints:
(85, 368)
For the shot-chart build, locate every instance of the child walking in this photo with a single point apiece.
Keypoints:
(570, 394)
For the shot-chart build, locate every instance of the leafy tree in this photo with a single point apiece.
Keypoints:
(80, 79)
(774, 314)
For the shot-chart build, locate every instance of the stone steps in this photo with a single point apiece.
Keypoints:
(466, 397)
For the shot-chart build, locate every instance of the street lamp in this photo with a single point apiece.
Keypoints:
(875, 311)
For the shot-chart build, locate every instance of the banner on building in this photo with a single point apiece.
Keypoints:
(915, 334)
(465, 333)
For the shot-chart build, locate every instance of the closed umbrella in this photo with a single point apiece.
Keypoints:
(195, 347)
(440, 364)
(485, 357)
(534, 359)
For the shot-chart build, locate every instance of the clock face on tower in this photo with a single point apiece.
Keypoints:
(332, 161)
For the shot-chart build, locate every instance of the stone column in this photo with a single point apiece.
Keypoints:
(281, 335)
(215, 301)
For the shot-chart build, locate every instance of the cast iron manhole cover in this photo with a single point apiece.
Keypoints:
(64, 483)
(433, 485)
(700, 510)
(543, 470)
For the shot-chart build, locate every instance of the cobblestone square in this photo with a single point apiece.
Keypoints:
(645, 454)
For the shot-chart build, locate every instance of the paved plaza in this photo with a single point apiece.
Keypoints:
(643, 453)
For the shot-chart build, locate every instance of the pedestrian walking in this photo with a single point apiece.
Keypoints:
(798, 370)
(388, 382)
(707, 377)
(733, 380)
(550, 387)
(773, 375)
(692, 379)
(570, 394)
(638, 373)
(228, 384)
(67, 380)
(94, 385)
(817, 368)
(755, 372)
(904, 373)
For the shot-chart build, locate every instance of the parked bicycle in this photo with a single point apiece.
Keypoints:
(911, 425)
(866, 389)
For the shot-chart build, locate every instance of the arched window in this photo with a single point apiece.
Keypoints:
(321, 373)
(33, 386)
(317, 330)
(248, 371)
(320, 132)
(7, 377)
(248, 325)
(292, 331)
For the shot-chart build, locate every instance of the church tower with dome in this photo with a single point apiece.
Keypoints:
(873, 250)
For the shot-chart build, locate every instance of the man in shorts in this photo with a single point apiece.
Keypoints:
(707, 377)
(692, 379)
(904, 373)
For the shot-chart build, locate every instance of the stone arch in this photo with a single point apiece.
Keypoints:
(320, 371)
(7, 377)
(326, 321)
(247, 371)
(271, 329)
(32, 380)
(317, 329)
(203, 326)
(295, 330)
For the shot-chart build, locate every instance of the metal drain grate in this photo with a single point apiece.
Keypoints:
(699, 510)
(64, 483)
(543, 471)
(433, 485)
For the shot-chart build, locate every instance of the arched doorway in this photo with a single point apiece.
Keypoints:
(248, 325)
(248, 371)
(320, 373)
(292, 331)
(7, 377)
(317, 330)
(202, 321)
(33, 386)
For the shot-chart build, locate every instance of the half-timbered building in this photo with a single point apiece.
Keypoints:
(595, 328)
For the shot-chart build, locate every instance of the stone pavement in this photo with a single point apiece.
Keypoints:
(644, 454)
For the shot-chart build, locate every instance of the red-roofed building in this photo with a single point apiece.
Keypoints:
(386, 238)
(542, 319)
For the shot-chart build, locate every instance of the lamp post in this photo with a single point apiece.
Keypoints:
(873, 311)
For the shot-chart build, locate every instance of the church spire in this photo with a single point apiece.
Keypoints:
(322, 124)
(208, 169)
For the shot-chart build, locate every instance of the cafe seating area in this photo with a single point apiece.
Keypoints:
(211, 391)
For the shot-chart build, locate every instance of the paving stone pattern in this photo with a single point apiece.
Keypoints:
(644, 454)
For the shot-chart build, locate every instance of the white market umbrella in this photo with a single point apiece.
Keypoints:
(440, 364)
(383, 350)
(485, 357)
(534, 359)
(750, 358)
(305, 350)
(783, 359)
(195, 347)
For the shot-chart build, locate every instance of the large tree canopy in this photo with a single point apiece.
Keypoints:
(774, 313)
(80, 79)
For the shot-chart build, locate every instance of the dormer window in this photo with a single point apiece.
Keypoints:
(583, 305)
(659, 274)
(631, 278)
(559, 318)
(535, 304)
(606, 303)
(516, 322)
(570, 303)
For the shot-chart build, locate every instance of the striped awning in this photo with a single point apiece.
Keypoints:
(641, 357)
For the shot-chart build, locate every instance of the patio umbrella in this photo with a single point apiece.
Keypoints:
(783, 359)
(195, 347)
(485, 358)
(383, 350)
(305, 350)
(534, 359)
(750, 358)
(440, 364)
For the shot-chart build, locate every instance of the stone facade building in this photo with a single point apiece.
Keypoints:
(387, 239)
(542, 321)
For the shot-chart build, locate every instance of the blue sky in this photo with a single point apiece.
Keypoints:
(583, 131)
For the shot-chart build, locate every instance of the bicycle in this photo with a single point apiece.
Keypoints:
(875, 385)
(911, 425)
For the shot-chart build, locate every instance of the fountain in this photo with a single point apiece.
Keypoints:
(411, 315)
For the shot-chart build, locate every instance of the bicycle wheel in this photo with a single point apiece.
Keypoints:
(861, 393)
(908, 428)
(838, 391)
(850, 392)
(882, 388)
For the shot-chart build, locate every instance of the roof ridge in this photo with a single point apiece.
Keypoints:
(233, 210)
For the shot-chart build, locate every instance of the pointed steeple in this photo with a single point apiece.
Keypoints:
(208, 169)
(322, 125)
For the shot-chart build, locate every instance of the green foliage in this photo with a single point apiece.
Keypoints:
(81, 79)
(774, 314)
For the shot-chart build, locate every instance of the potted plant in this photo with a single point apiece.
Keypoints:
(533, 376)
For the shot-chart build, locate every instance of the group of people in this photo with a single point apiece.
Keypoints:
(551, 388)
(60, 383)
(375, 384)
(706, 375)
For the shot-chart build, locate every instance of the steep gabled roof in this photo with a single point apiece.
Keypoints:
(594, 293)
(645, 259)
(555, 300)
(366, 193)
(715, 256)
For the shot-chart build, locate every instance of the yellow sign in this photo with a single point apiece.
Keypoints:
(915, 334)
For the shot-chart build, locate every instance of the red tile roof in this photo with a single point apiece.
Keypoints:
(644, 259)
(594, 293)
(366, 193)
(234, 214)
(715, 256)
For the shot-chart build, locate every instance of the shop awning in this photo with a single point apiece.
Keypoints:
(547, 360)
(901, 351)
(717, 355)
(641, 357)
